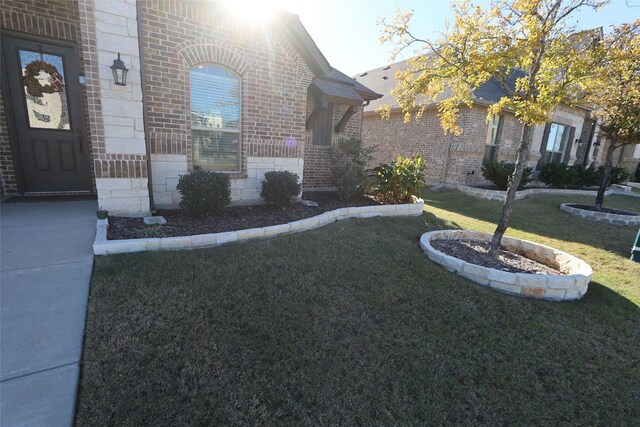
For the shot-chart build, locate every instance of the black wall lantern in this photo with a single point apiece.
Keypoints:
(119, 71)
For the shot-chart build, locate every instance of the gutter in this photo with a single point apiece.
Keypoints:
(147, 143)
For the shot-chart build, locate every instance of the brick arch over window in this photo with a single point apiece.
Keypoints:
(199, 52)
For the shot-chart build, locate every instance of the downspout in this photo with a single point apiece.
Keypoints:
(145, 122)
(446, 159)
(362, 117)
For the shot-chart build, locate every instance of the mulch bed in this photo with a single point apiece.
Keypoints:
(604, 210)
(476, 252)
(179, 223)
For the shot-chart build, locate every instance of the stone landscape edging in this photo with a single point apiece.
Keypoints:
(102, 246)
(609, 218)
(488, 194)
(633, 184)
(541, 286)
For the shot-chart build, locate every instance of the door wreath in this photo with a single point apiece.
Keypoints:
(34, 88)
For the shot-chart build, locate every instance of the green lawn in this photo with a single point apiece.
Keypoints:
(351, 324)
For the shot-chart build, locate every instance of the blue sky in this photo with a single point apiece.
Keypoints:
(347, 34)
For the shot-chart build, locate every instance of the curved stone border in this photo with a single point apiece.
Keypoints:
(486, 194)
(543, 286)
(633, 184)
(609, 218)
(102, 246)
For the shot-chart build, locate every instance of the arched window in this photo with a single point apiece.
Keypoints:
(215, 118)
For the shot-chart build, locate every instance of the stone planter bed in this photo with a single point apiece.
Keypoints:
(490, 194)
(102, 246)
(608, 215)
(233, 218)
(570, 283)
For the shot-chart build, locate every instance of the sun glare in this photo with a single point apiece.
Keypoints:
(261, 10)
(252, 10)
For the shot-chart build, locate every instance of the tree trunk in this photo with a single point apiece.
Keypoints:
(507, 208)
(608, 163)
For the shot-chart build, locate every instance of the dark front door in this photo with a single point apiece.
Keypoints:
(46, 107)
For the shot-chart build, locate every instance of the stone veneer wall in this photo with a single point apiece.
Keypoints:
(116, 117)
(463, 158)
(317, 173)
(180, 34)
(57, 19)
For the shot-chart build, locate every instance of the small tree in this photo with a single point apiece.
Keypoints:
(614, 90)
(349, 160)
(526, 46)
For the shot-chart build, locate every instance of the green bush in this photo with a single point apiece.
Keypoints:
(559, 175)
(619, 174)
(204, 193)
(581, 176)
(281, 188)
(555, 175)
(349, 159)
(500, 174)
(397, 181)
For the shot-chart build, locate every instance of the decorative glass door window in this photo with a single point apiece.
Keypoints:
(44, 90)
(493, 139)
(556, 142)
(215, 118)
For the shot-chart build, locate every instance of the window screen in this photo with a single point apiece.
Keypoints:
(215, 118)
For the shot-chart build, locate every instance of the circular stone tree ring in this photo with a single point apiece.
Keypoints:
(571, 285)
(609, 216)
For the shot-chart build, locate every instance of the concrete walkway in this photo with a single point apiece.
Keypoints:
(46, 261)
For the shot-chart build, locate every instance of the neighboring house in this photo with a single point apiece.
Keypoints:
(203, 90)
(569, 137)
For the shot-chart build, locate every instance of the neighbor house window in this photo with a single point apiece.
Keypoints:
(215, 118)
(323, 126)
(493, 139)
(556, 143)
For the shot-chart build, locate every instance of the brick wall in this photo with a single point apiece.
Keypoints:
(317, 165)
(627, 156)
(178, 35)
(463, 163)
(58, 19)
(461, 156)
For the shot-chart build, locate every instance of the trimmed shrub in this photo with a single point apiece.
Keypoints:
(349, 161)
(280, 188)
(559, 175)
(580, 176)
(204, 193)
(555, 175)
(619, 174)
(397, 181)
(499, 173)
